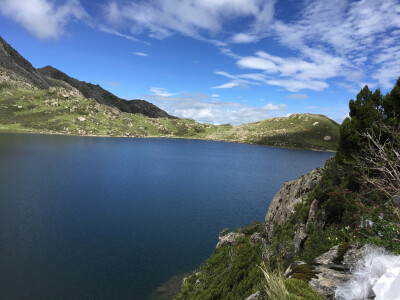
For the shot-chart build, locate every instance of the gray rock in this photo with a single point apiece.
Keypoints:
(329, 270)
(299, 238)
(230, 239)
(255, 296)
(291, 193)
(312, 213)
(333, 268)
(256, 237)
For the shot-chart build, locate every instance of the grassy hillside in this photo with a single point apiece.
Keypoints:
(64, 110)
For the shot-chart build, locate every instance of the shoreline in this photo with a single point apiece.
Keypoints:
(29, 131)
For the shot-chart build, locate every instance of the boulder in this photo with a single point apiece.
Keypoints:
(256, 237)
(231, 239)
(291, 193)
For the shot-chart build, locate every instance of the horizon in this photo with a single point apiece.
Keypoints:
(216, 62)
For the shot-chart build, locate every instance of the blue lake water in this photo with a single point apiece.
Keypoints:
(114, 218)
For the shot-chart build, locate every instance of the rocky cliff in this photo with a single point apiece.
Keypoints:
(284, 202)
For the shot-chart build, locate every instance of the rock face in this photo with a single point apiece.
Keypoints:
(105, 97)
(329, 270)
(291, 193)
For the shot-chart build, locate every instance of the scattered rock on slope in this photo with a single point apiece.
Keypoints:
(103, 96)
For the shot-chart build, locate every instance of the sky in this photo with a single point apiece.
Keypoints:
(216, 61)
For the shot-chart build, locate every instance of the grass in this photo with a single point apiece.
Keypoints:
(49, 111)
(231, 272)
(277, 287)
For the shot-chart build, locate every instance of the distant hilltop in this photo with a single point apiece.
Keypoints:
(47, 100)
(18, 68)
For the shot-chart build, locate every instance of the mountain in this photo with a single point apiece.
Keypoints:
(16, 69)
(105, 97)
(47, 100)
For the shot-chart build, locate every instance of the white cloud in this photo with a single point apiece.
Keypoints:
(206, 109)
(140, 54)
(293, 73)
(43, 18)
(109, 30)
(160, 92)
(297, 96)
(363, 34)
(201, 19)
(231, 84)
(243, 38)
(243, 80)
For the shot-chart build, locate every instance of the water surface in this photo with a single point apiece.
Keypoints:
(114, 218)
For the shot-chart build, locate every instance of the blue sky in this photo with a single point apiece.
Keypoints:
(216, 61)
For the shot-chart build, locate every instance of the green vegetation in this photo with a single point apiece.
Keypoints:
(63, 110)
(232, 272)
(277, 287)
(357, 190)
(356, 204)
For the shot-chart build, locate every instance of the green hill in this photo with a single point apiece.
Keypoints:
(49, 101)
(64, 110)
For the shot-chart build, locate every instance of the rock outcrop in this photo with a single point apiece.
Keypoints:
(231, 239)
(284, 202)
(329, 270)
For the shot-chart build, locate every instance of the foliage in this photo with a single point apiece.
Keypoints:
(274, 286)
(368, 111)
(370, 219)
(277, 287)
(224, 231)
(231, 272)
(256, 226)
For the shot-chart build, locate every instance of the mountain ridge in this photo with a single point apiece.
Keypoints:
(15, 68)
(46, 100)
(105, 97)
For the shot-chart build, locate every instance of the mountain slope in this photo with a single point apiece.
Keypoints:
(64, 110)
(49, 101)
(105, 97)
(16, 68)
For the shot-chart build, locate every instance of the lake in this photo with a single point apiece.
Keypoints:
(115, 218)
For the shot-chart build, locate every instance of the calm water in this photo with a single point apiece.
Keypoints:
(113, 218)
